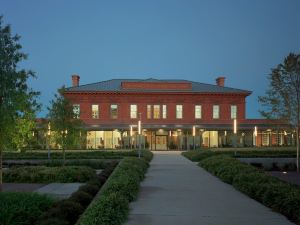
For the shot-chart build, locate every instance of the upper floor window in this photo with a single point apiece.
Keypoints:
(164, 111)
(178, 111)
(216, 112)
(233, 112)
(198, 112)
(156, 112)
(76, 111)
(133, 111)
(114, 111)
(95, 111)
(149, 111)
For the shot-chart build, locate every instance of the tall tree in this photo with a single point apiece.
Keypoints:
(65, 122)
(282, 99)
(16, 98)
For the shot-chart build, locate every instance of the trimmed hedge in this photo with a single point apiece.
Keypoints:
(43, 174)
(67, 212)
(198, 155)
(22, 208)
(272, 192)
(111, 205)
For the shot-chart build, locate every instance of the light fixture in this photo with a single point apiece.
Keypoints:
(194, 131)
(225, 133)
(234, 126)
(255, 131)
(139, 127)
(131, 130)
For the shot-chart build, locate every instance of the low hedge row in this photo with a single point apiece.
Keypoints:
(43, 174)
(22, 208)
(57, 154)
(67, 212)
(111, 206)
(198, 155)
(276, 194)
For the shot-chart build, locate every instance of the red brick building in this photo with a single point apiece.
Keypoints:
(174, 114)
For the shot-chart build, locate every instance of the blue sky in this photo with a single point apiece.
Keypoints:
(168, 39)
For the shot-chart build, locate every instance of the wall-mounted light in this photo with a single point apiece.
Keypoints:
(234, 126)
(131, 130)
(139, 126)
(194, 131)
(255, 131)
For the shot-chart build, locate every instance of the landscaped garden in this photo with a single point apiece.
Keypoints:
(103, 198)
(254, 181)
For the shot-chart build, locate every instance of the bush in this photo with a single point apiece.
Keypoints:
(43, 174)
(111, 206)
(83, 198)
(22, 208)
(197, 155)
(274, 193)
(90, 189)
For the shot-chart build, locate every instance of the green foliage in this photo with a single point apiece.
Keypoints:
(111, 206)
(276, 194)
(43, 174)
(282, 99)
(87, 154)
(17, 100)
(198, 155)
(22, 208)
(83, 198)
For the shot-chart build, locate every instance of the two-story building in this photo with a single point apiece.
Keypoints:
(169, 114)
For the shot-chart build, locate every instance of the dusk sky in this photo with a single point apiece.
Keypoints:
(165, 39)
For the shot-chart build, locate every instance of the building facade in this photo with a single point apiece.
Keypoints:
(169, 114)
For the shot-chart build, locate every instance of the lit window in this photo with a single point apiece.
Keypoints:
(198, 112)
(114, 111)
(149, 113)
(178, 111)
(95, 111)
(133, 111)
(76, 111)
(233, 112)
(156, 112)
(164, 113)
(216, 112)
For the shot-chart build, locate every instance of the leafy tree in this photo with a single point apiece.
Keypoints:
(16, 98)
(282, 99)
(64, 122)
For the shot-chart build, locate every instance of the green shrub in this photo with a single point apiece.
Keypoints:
(111, 206)
(90, 189)
(83, 198)
(43, 174)
(197, 155)
(274, 193)
(22, 208)
(54, 221)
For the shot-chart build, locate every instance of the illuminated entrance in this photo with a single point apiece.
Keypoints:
(161, 142)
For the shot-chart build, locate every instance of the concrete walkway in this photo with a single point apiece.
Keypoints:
(59, 190)
(177, 192)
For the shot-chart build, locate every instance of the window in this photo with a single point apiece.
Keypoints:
(164, 113)
(178, 111)
(133, 111)
(156, 112)
(76, 111)
(114, 111)
(216, 112)
(198, 112)
(149, 113)
(95, 111)
(233, 112)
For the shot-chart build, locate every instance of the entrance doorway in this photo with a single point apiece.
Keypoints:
(161, 142)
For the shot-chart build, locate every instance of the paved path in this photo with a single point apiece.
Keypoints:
(177, 192)
(59, 190)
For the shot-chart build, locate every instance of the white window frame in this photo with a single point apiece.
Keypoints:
(95, 111)
(198, 112)
(216, 112)
(157, 107)
(164, 111)
(76, 111)
(111, 110)
(149, 111)
(233, 111)
(133, 111)
(179, 111)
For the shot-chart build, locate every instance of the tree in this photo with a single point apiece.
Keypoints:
(16, 98)
(64, 122)
(282, 99)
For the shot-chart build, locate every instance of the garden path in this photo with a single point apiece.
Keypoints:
(177, 191)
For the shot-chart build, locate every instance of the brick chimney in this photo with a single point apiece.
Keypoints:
(220, 81)
(75, 80)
